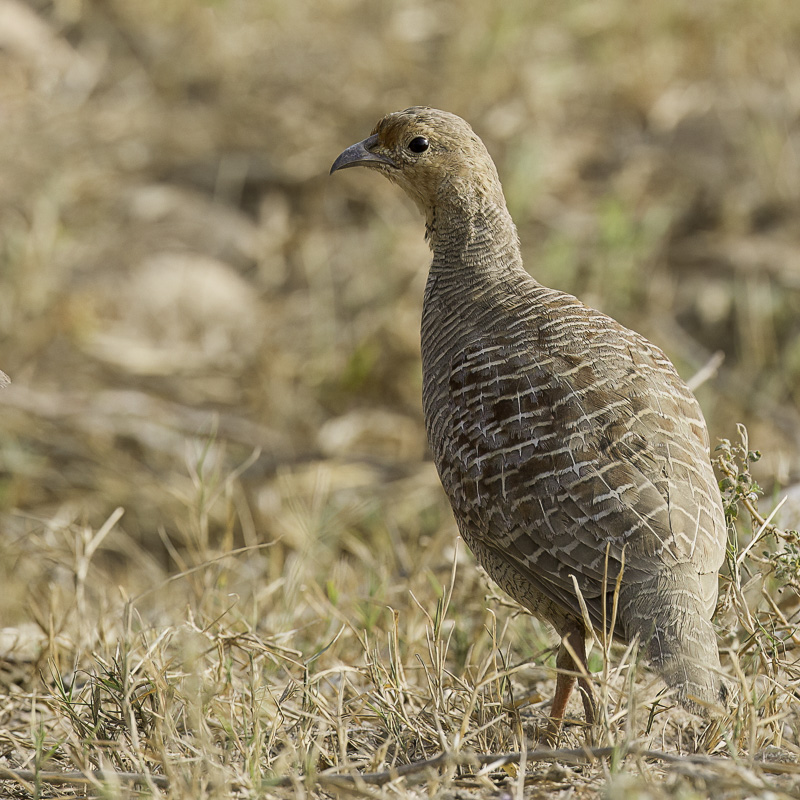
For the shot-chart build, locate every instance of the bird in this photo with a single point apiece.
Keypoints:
(575, 458)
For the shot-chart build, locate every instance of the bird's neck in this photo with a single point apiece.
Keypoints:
(474, 234)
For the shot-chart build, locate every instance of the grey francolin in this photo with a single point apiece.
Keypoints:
(569, 447)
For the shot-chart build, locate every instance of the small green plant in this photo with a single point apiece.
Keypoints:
(740, 490)
(763, 563)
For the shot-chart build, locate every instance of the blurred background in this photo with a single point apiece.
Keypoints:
(203, 328)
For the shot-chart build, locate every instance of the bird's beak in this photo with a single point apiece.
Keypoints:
(361, 153)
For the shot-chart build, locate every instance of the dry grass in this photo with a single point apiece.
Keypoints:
(217, 681)
(205, 332)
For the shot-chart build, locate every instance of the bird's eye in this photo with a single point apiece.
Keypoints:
(418, 145)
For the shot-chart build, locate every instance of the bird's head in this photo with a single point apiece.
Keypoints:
(434, 156)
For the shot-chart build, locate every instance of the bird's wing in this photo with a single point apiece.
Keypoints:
(559, 460)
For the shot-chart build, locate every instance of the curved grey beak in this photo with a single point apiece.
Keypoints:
(360, 153)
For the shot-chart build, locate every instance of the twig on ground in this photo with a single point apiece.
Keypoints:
(28, 776)
(491, 761)
(581, 755)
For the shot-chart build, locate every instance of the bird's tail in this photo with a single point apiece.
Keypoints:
(671, 613)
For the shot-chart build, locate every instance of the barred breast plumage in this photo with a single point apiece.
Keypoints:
(569, 447)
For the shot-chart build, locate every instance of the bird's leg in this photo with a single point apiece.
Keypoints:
(565, 682)
(571, 659)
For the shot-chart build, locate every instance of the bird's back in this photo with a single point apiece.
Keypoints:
(568, 445)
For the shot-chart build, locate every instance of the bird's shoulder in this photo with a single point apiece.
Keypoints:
(547, 349)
